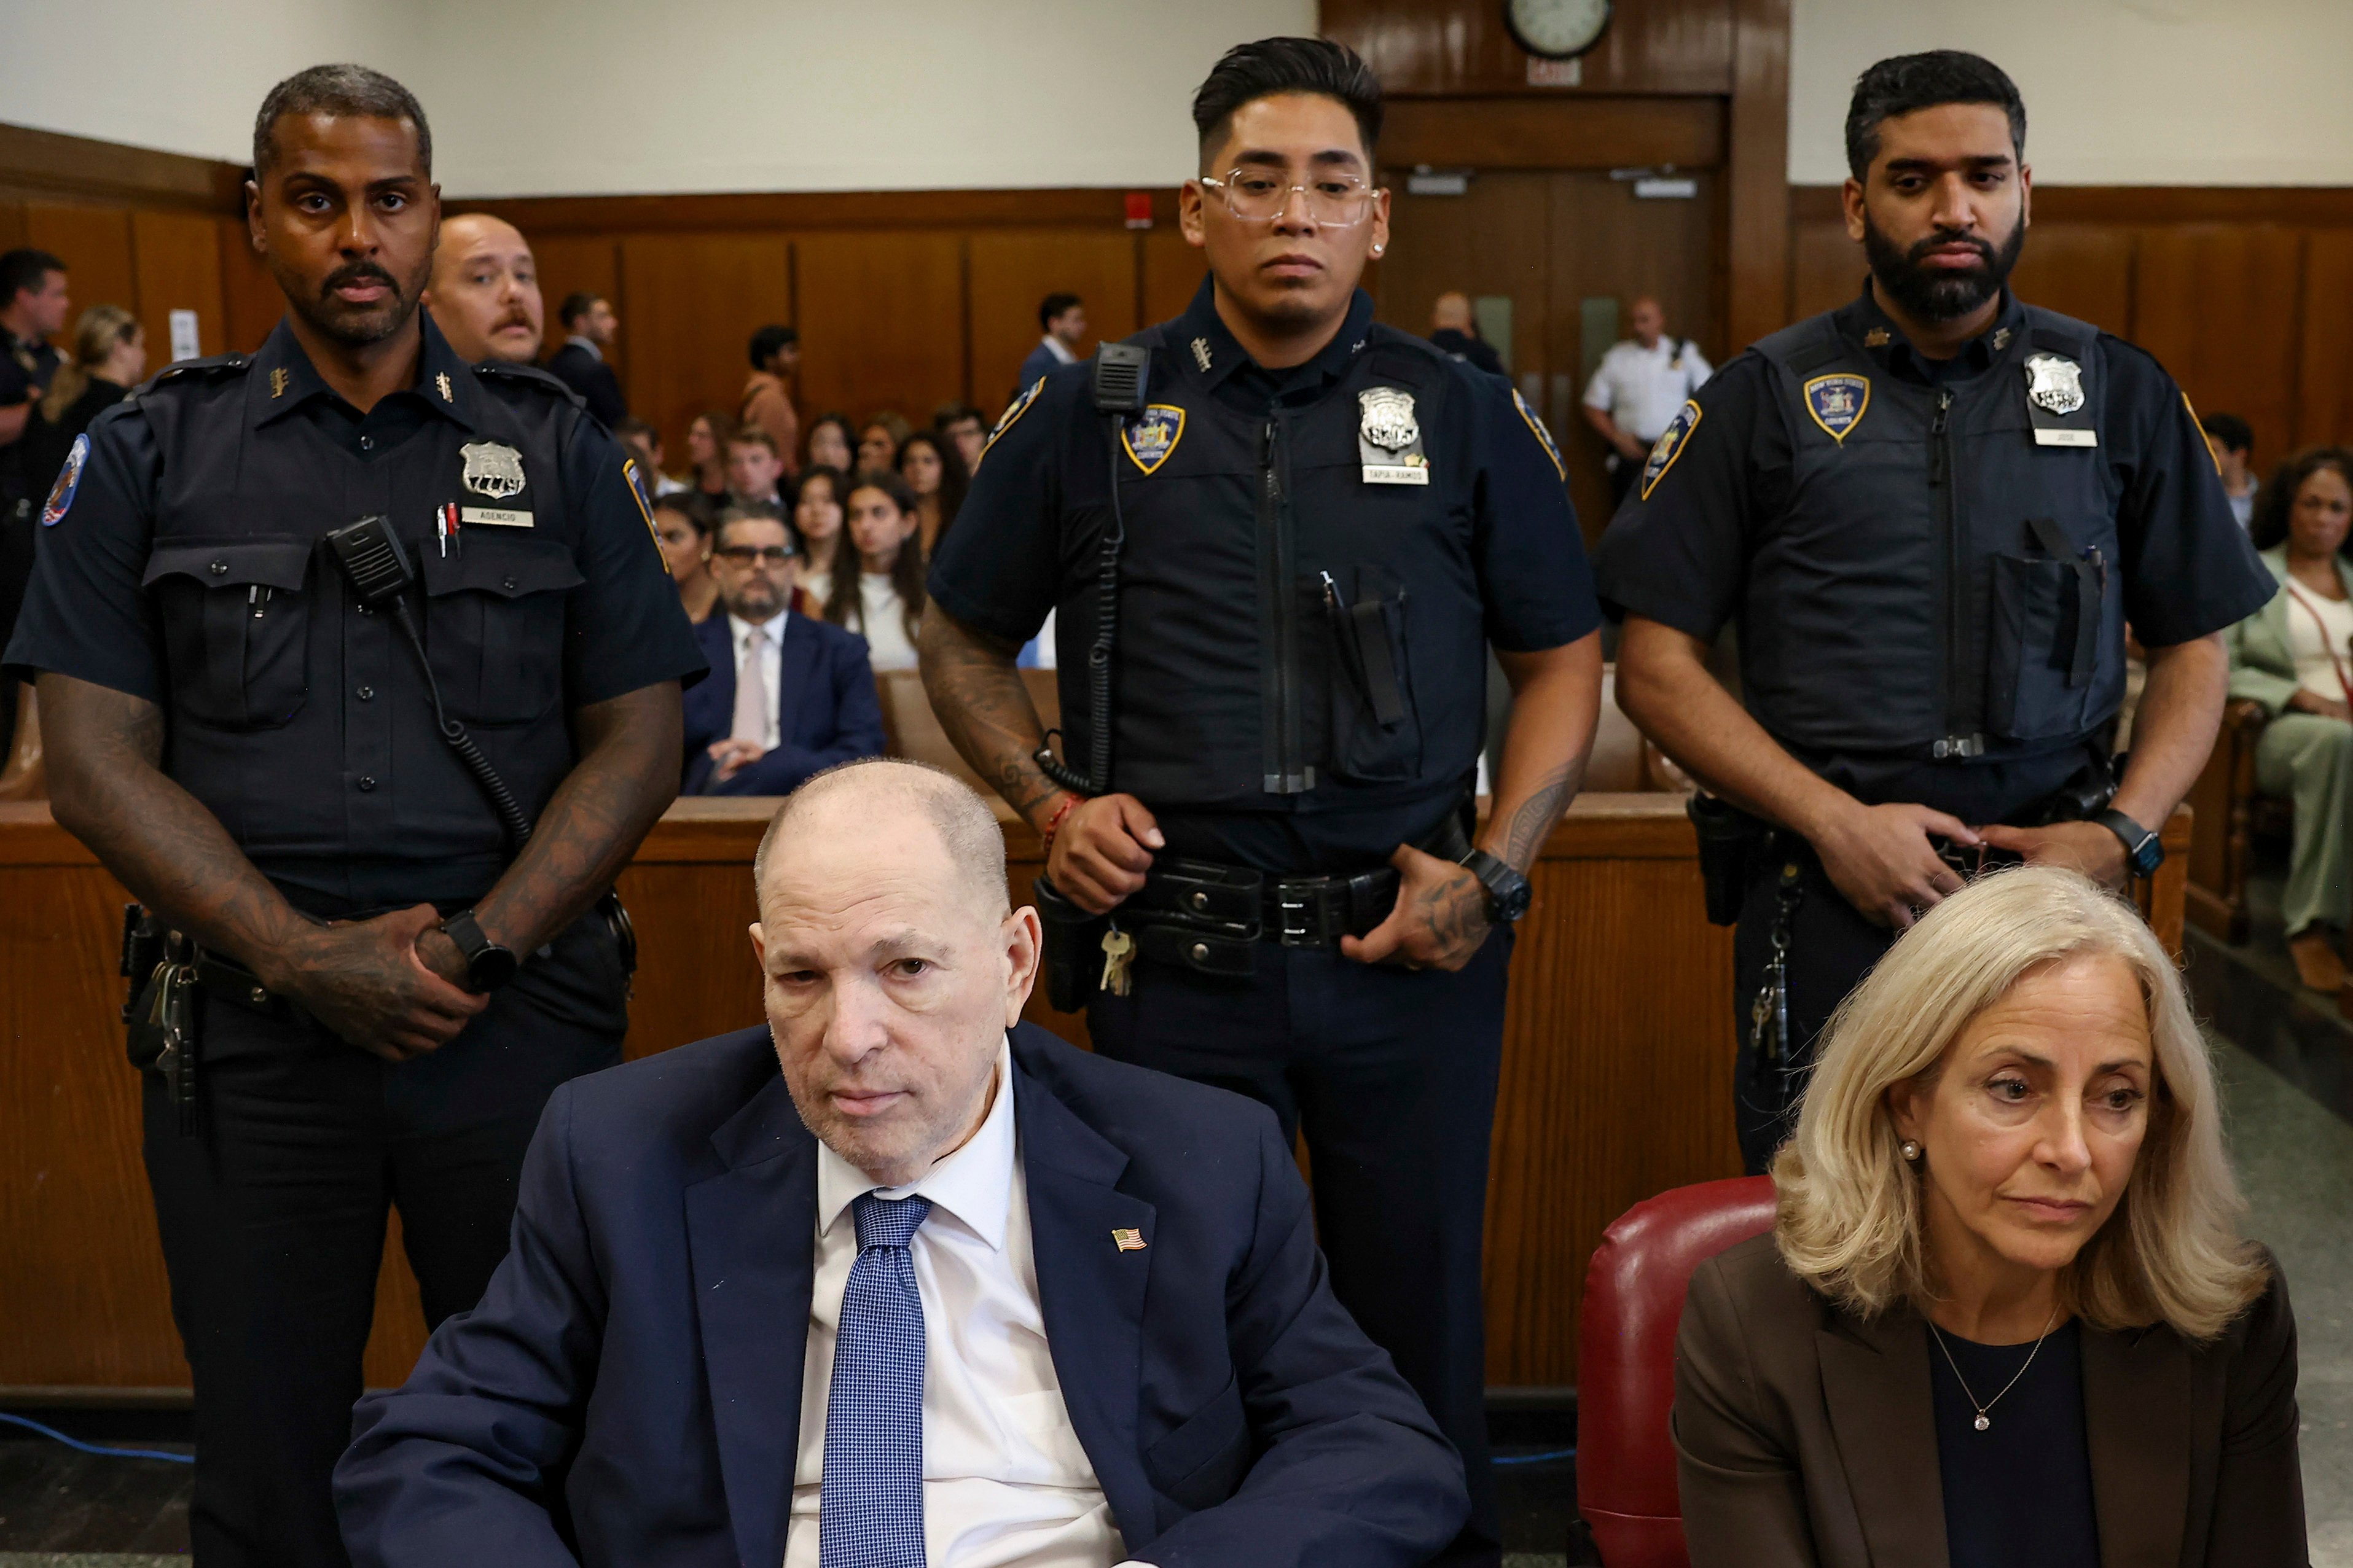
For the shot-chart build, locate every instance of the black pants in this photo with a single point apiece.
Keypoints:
(1621, 480)
(272, 1216)
(1831, 947)
(1392, 1075)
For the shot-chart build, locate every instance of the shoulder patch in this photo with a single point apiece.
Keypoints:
(1543, 436)
(61, 494)
(1013, 411)
(1670, 446)
(637, 494)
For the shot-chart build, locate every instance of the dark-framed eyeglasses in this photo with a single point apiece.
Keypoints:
(1261, 195)
(756, 554)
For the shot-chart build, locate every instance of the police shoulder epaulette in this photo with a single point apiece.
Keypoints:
(213, 367)
(528, 375)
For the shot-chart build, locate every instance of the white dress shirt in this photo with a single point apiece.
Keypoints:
(589, 343)
(881, 624)
(1643, 389)
(1058, 349)
(772, 663)
(1006, 1482)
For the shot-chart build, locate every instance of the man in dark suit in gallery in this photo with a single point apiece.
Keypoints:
(789, 695)
(589, 326)
(942, 1290)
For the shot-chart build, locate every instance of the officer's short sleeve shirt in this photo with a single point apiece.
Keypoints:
(1677, 553)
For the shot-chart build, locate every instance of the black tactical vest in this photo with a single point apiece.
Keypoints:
(1290, 637)
(1943, 581)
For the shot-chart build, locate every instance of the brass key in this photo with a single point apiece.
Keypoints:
(1119, 952)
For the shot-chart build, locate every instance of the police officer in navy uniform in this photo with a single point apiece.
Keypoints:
(356, 982)
(1262, 872)
(1932, 513)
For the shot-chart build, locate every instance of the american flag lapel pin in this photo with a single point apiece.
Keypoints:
(1128, 1240)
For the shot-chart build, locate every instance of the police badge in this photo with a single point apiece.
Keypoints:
(2054, 383)
(1837, 402)
(1152, 434)
(491, 469)
(1388, 439)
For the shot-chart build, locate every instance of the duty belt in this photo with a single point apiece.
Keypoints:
(1208, 917)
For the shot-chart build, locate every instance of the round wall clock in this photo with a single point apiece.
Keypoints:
(1557, 29)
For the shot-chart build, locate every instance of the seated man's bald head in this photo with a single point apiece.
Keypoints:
(880, 797)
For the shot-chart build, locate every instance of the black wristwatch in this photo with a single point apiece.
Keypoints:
(488, 965)
(2143, 852)
(1508, 892)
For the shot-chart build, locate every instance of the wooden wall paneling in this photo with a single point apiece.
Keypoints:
(95, 245)
(36, 164)
(2214, 303)
(251, 298)
(799, 212)
(689, 304)
(1495, 239)
(2080, 269)
(12, 226)
(1429, 47)
(1013, 270)
(590, 263)
(1826, 268)
(177, 254)
(1173, 270)
(888, 333)
(2325, 379)
(1553, 132)
(1758, 233)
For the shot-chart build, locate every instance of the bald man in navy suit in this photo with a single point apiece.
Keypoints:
(901, 1281)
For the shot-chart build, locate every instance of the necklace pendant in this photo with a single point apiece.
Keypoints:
(1983, 1421)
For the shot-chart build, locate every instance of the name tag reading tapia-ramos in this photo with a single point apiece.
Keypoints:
(492, 517)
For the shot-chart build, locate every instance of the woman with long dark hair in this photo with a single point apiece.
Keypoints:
(706, 451)
(817, 522)
(934, 471)
(2295, 656)
(832, 443)
(878, 569)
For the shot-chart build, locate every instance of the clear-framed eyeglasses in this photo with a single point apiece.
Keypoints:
(1261, 195)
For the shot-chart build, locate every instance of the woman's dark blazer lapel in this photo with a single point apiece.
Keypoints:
(1875, 1387)
(2137, 1414)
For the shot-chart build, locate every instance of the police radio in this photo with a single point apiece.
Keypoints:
(1119, 374)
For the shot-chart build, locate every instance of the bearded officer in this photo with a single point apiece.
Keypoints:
(1932, 513)
(366, 959)
(1285, 536)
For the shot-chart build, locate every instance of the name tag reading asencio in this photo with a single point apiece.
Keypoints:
(493, 517)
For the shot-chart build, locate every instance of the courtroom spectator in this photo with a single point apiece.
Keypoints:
(1637, 390)
(755, 467)
(879, 438)
(589, 325)
(109, 355)
(961, 424)
(1454, 331)
(878, 569)
(2004, 1315)
(817, 518)
(2232, 442)
(1063, 321)
(789, 695)
(768, 399)
(643, 443)
(2295, 656)
(832, 442)
(485, 293)
(33, 307)
(706, 457)
(901, 1279)
(686, 546)
(934, 471)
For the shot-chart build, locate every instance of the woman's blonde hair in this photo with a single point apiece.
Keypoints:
(101, 329)
(1850, 1205)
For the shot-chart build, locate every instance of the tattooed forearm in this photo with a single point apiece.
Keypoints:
(977, 692)
(105, 751)
(627, 774)
(1528, 826)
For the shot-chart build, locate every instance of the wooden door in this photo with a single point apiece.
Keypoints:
(1551, 242)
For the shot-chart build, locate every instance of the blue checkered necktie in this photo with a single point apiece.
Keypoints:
(870, 1494)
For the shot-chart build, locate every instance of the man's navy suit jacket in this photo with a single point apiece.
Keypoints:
(593, 379)
(826, 711)
(628, 1392)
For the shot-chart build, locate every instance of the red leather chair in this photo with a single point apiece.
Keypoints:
(1626, 1361)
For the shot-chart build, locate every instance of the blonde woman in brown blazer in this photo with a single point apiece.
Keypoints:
(2004, 1316)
